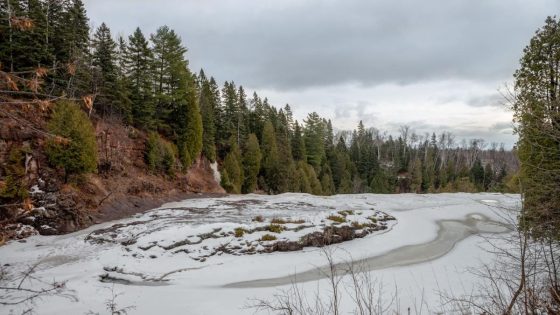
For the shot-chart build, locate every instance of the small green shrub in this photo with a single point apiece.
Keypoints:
(336, 218)
(278, 221)
(372, 219)
(14, 186)
(346, 212)
(74, 148)
(258, 218)
(358, 225)
(160, 155)
(275, 228)
(297, 221)
(239, 232)
(268, 237)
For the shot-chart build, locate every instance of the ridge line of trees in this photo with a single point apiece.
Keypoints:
(145, 81)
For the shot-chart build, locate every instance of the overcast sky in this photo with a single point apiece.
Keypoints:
(434, 65)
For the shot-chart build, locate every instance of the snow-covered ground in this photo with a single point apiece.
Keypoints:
(207, 256)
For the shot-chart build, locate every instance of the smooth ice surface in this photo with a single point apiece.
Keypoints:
(428, 250)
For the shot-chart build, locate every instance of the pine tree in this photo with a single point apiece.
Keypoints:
(24, 35)
(251, 163)
(72, 51)
(257, 116)
(305, 186)
(242, 115)
(311, 176)
(207, 110)
(298, 144)
(216, 101)
(37, 52)
(105, 70)
(171, 77)
(123, 91)
(232, 171)
(230, 117)
(285, 158)
(270, 160)
(342, 168)
(194, 121)
(76, 32)
(536, 110)
(488, 176)
(327, 183)
(138, 61)
(314, 140)
(477, 174)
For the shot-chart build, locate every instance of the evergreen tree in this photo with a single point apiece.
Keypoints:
(257, 116)
(298, 144)
(232, 172)
(477, 174)
(160, 155)
(251, 163)
(73, 51)
(488, 176)
(37, 52)
(123, 84)
(138, 64)
(305, 186)
(311, 176)
(242, 115)
(207, 110)
(270, 160)
(230, 119)
(327, 183)
(75, 32)
(314, 140)
(74, 149)
(105, 71)
(536, 110)
(171, 78)
(194, 127)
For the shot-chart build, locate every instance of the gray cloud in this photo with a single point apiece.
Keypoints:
(435, 63)
(495, 100)
(503, 128)
(297, 44)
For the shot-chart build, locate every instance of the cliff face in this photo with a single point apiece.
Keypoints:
(121, 187)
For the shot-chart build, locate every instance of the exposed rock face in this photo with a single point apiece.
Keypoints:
(122, 187)
(330, 235)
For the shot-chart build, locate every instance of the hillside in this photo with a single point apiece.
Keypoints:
(122, 186)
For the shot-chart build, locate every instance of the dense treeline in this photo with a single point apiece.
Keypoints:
(146, 82)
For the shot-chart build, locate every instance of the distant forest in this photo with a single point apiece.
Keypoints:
(48, 53)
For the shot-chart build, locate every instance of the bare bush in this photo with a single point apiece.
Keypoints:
(522, 277)
(111, 305)
(25, 288)
(366, 293)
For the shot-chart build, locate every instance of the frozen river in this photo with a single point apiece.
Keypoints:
(190, 258)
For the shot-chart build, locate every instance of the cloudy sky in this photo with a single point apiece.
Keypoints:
(434, 65)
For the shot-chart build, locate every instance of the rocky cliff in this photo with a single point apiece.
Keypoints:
(121, 187)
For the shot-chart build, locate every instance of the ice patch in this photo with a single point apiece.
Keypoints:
(215, 172)
(35, 190)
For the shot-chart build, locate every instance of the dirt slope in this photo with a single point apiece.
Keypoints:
(122, 186)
